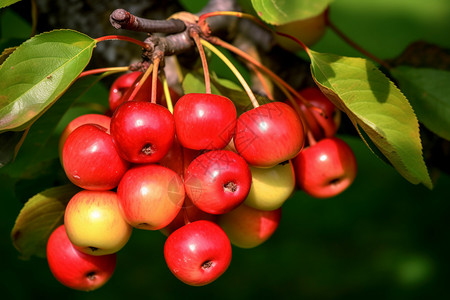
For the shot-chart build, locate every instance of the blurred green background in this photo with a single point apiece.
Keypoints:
(383, 238)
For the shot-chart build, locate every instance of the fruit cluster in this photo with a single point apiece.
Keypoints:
(202, 175)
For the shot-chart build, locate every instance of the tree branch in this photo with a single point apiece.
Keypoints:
(122, 19)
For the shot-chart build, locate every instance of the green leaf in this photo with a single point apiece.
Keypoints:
(5, 3)
(278, 12)
(428, 90)
(36, 74)
(40, 143)
(374, 104)
(38, 218)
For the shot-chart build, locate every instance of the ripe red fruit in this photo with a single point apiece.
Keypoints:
(98, 119)
(324, 117)
(218, 181)
(269, 134)
(198, 253)
(123, 86)
(143, 132)
(120, 86)
(326, 168)
(75, 269)
(150, 196)
(204, 121)
(90, 159)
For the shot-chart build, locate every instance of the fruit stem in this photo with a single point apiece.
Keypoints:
(201, 51)
(311, 140)
(167, 92)
(297, 108)
(141, 82)
(203, 17)
(349, 41)
(294, 39)
(282, 85)
(235, 71)
(185, 216)
(278, 80)
(122, 38)
(156, 61)
(103, 70)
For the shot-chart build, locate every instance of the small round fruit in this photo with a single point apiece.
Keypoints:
(75, 269)
(204, 121)
(143, 132)
(218, 181)
(325, 114)
(90, 159)
(150, 196)
(269, 134)
(94, 222)
(198, 253)
(326, 168)
(98, 119)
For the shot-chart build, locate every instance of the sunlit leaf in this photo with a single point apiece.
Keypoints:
(38, 72)
(278, 12)
(428, 90)
(38, 218)
(5, 3)
(374, 104)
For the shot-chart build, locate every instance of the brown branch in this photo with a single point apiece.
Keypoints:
(122, 19)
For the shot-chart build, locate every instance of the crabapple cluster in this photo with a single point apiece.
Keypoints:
(204, 176)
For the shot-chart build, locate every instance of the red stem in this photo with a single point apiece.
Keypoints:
(102, 70)
(310, 136)
(122, 38)
(201, 51)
